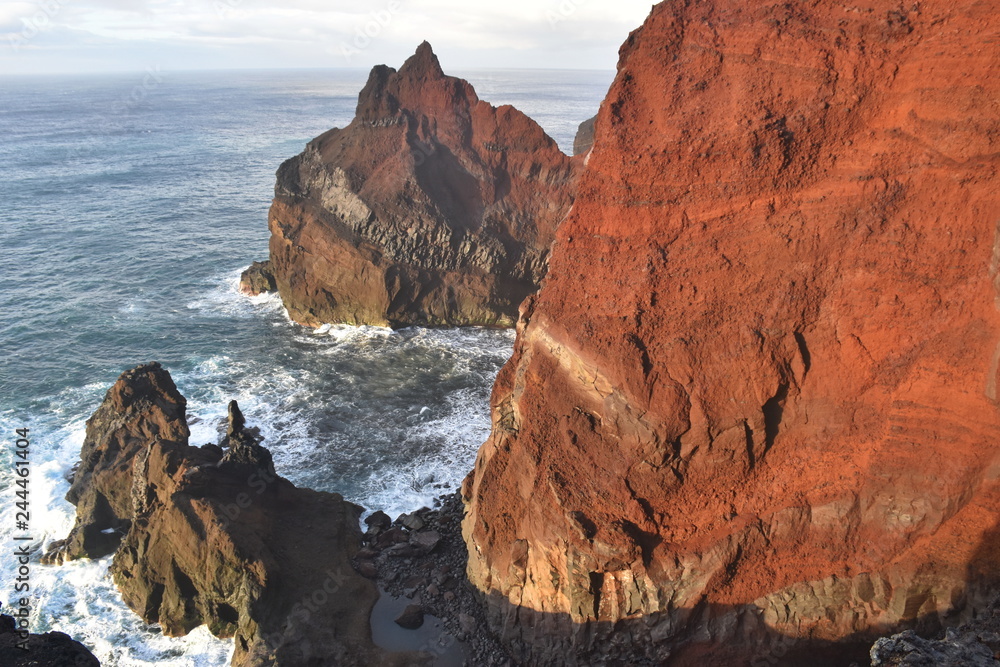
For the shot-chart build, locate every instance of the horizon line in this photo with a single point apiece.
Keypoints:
(20, 75)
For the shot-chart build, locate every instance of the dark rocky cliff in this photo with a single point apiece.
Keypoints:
(212, 535)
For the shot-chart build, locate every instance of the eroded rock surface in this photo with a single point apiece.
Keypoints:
(753, 410)
(214, 536)
(258, 279)
(973, 644)
(584, 139)
(143, 406)
(432, 207)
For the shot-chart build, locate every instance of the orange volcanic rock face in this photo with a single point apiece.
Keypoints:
(431, 207)
(754, 408)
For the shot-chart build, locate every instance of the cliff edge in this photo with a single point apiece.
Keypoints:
(431, 207)
(753, 410)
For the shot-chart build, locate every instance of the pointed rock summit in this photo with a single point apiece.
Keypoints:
(432, 207)
(424, 63)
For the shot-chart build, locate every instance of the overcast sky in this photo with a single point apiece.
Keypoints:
(56, 36)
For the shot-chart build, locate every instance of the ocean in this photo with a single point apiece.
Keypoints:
(130, 204)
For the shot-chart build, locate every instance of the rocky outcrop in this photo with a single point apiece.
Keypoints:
(421, 557)
(258, 279)
(974, 644)
(214, 536)
(584, 139)
(143, 406)
(908, 649)
(51, 649)
(431, 207)
(753, 411)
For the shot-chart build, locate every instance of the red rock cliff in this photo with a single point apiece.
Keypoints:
(755, 402)
(431, 207)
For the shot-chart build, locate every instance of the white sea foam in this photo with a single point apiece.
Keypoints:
(79, 598)
(345, 333)
(357, 410)
(225, 298)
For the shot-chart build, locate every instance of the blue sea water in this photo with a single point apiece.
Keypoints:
(130, 204)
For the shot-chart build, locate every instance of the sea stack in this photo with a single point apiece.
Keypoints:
(213, 536)
(753, 410)
(431, 207)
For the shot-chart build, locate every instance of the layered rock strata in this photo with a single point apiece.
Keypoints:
(431, 207)
(753, 411)
(212, 535)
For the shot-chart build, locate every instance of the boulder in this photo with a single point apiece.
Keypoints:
(425, 540)
(258, 279)
(411, 618)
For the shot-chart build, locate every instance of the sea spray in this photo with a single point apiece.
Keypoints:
(130, 232)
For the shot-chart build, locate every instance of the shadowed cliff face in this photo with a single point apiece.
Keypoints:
(50, 648)
(212, 535)
(431, 207)
(756, 396)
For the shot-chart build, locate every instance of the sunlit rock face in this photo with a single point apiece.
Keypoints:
(752, 410)
(432, 207)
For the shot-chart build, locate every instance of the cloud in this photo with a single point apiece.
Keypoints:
(180, 34)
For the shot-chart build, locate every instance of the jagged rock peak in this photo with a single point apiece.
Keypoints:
(146, 383)
(236, 419)
(430, 207)
(141, 407)
(419, 85)
(424, 63)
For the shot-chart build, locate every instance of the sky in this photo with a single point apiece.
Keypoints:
(76, 36)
